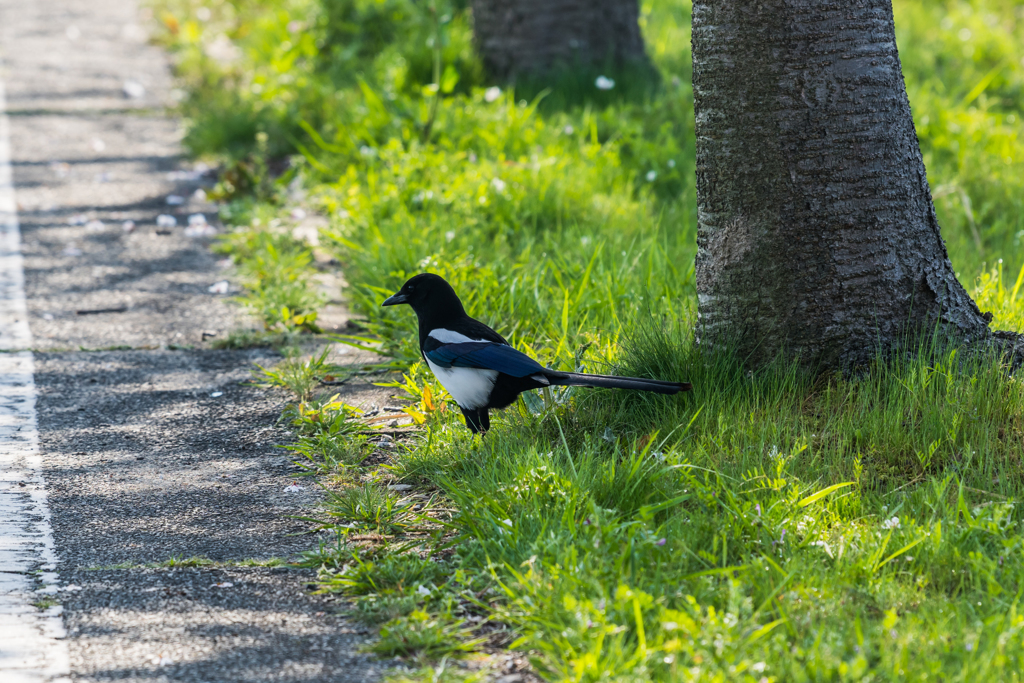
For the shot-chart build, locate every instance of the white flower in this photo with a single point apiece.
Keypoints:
(507, 522)
(604, 83)
(367, 151)
(498, 184)
(671, 163)
(423, 590)
(492, 93)
(652, 176)
(893, 523)
(568, 130)
(449, 236)
(165, 220)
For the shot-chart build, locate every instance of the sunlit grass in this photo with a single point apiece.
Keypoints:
(767, 526)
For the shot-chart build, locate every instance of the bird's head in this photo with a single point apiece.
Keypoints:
(429, 295)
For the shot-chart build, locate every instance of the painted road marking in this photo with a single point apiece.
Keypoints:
(32, 645)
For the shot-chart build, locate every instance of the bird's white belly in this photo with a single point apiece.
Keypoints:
(470, 387)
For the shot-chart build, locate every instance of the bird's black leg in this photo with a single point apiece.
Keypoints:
(485, 420)
(472, 419)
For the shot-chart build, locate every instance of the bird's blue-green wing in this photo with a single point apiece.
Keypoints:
(484, 355)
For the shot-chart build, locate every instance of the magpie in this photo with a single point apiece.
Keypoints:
(477, 366)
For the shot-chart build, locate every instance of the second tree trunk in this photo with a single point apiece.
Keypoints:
(524, 36)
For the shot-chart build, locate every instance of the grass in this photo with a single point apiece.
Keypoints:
(44, 604)
(768, 526)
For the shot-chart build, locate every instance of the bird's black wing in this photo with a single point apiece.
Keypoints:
(474, 329)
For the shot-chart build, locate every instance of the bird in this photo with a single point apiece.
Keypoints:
(477, 366)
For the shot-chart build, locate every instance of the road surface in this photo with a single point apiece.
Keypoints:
(125, 441)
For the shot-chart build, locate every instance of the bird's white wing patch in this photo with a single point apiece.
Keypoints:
(451, 337)
(470, 387)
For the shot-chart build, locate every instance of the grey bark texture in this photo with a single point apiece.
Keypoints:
(527, 36)
(817, 237)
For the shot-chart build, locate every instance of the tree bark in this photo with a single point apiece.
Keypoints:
(522, 36)
(817, 237)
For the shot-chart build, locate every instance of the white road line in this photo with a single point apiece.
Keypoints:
(32, 645)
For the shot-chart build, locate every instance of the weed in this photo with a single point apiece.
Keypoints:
(425, 636)
(287, 341)
(391, 573)
(369, 506)
(276, 269)
(298, 376)
(43, 604)
(377, 609)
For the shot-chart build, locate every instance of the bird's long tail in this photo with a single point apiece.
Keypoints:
(576, 379)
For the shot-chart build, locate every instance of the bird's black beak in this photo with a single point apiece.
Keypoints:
(395, 299)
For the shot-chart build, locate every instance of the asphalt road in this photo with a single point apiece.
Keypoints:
(152, 446)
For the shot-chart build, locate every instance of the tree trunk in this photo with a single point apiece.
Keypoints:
(817, 237)
(523, 36)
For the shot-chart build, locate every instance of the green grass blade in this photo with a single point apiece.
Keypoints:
(822, 493)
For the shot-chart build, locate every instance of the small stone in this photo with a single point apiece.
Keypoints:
(133, 90)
